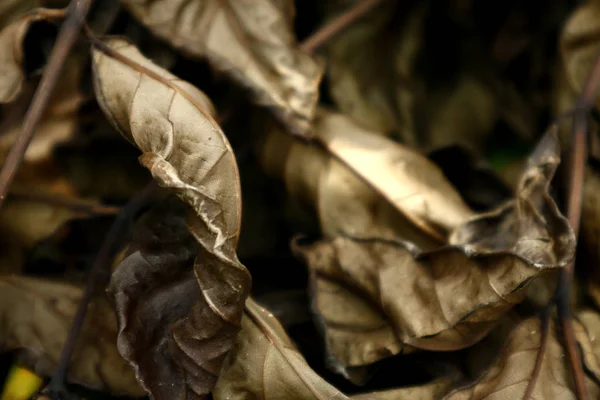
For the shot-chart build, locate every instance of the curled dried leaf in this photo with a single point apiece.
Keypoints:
(375, 298)
(186, 152)
(363, 184)
(253, 42)
(264, 364)
(36, 316)
(511, 374)
(12, 74)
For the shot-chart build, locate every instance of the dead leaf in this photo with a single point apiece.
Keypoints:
(36, 316)
(252, 42)
(430, 391)
(12, 74)
(363, 184)
(590, 230)
(265, 364)
(155, 290)
(373, 297)
(531, 225)
(13, 9)
(578, 45)
(510, 375)
(187, 153)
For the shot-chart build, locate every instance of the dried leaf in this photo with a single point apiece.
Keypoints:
(510, 375)
(578, 45)
(431, 391)
(155, 290)
(36, 316)
(590, 230)
(186, 152)
(373, 297)
(59, 121)
(264, 364)
(13, 9)
(363, 184)
(12, 72)
(253, 42)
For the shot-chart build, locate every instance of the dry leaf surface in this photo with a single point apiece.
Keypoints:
(510, 375)
(187, 153)
(374, 297)
(363, 184)
(252, 42)
(36, 316)
(265, 364)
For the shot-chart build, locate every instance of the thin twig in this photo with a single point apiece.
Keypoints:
(577, 160)
(97, 277)
(74, 204)
(539, 360)
(68, 35)
(337, 24)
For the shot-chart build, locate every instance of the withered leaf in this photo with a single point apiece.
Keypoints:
(252, 42)
(187, 153)
(12, 74)
(375, 297)
(264, 364)
(363, 184)
(510, 375)
(36, 316)
(13, 9)
(430, 391)
(578, 44)
(590, 229)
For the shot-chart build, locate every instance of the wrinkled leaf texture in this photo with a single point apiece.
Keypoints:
(186, 152)
(251, 41)
(375, 297)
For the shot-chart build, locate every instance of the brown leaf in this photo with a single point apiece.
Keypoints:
(264, 364)
(13, 9)
(374, 297)
(578, 44)
(252, 42)
(590, 230)
(430, 391)
(363, 184)
(12, 36)
(36, 316)
(187, 153)
(510, 375)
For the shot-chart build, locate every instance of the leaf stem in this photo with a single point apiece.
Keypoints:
(337, 25)
(68, 35)
(97, 278)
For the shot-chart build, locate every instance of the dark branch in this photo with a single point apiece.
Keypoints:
(68, 35)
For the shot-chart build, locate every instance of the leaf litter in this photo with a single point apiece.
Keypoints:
(373, 149)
